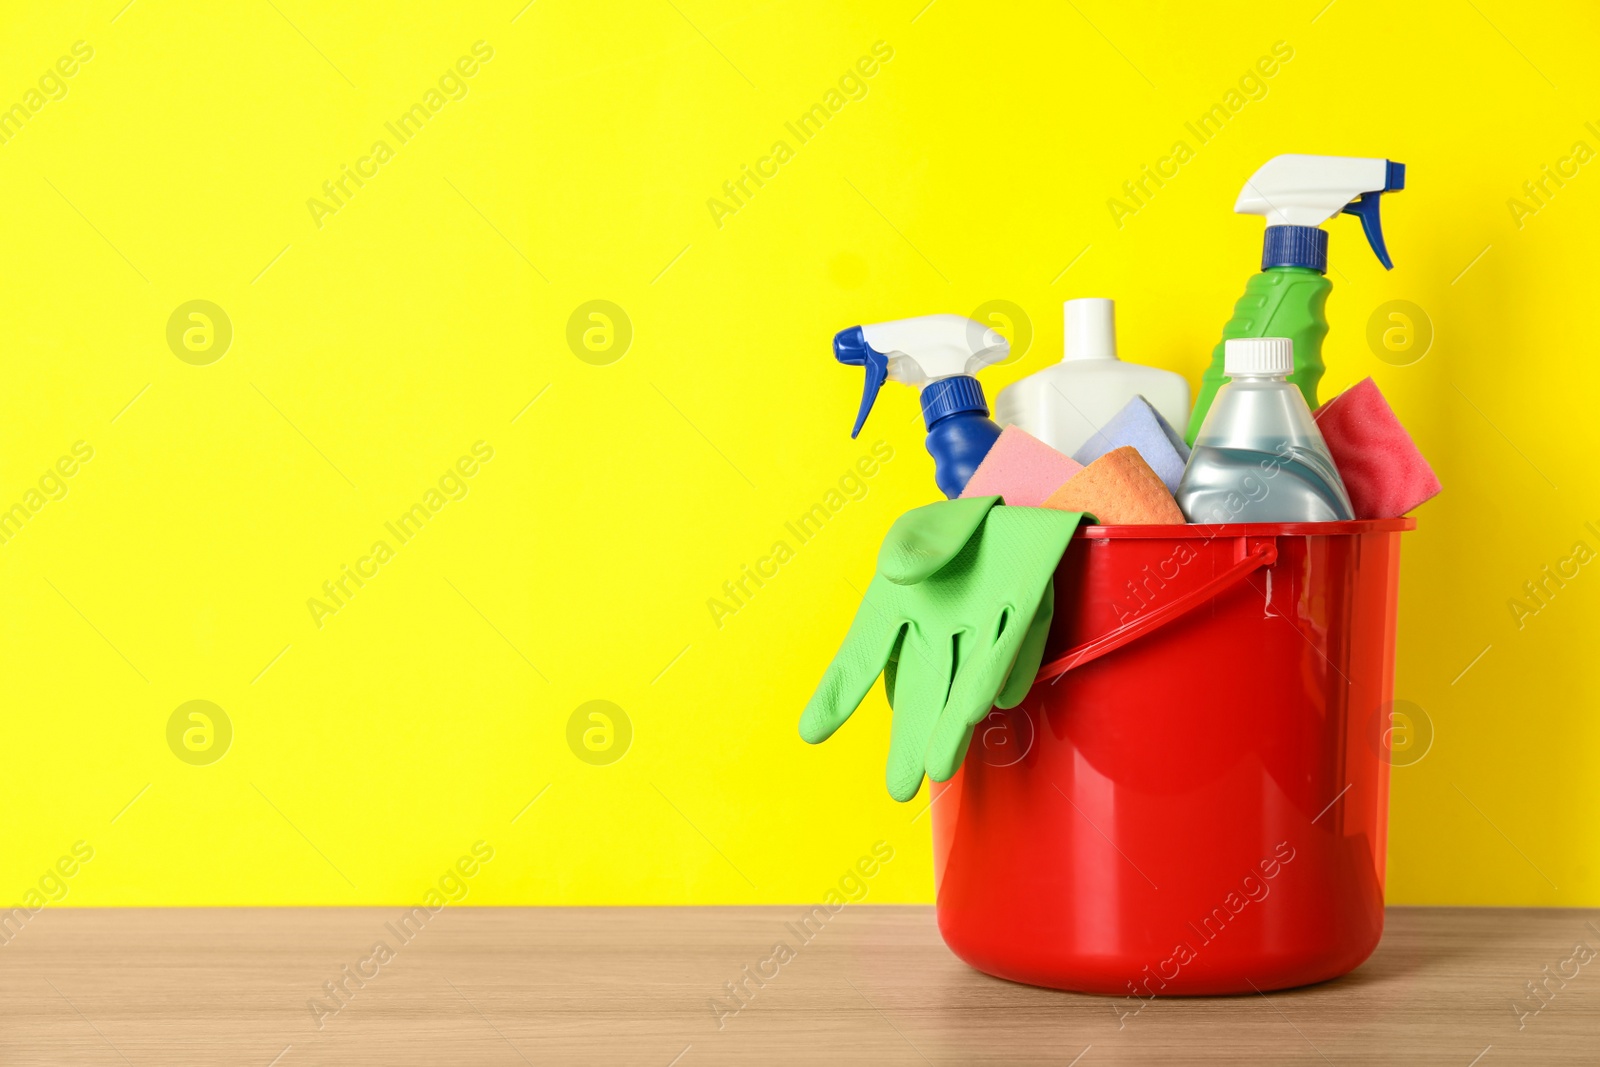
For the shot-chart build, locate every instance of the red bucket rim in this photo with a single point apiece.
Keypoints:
(1208, 531)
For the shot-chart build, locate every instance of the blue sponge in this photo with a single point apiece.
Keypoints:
(1140, 425)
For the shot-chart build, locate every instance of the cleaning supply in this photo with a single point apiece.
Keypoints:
(1203, 807)
(938, 354)
(1022, 470)
(955, 620)
(1118, 489)
(1382, 469)
(1259, 456)
(1296, 195)
(1063, 405)
(1140, 425)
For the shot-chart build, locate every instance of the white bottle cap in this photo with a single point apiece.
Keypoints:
(1258, 356)
(1091, 329)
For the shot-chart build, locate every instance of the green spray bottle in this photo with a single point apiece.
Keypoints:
(1296, 195)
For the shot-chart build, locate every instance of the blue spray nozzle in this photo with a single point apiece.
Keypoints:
(850, 347)
(937, 355)
(916, 352)
(1365, 208)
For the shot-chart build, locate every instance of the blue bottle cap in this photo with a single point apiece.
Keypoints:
(1295, 246)
(952, 396)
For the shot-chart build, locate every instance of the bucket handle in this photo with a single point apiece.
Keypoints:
(1261, 554)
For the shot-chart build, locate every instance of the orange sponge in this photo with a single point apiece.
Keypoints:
(1118, 489)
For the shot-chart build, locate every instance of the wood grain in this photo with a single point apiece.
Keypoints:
(633, 985)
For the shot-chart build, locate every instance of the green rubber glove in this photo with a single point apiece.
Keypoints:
(955, 620)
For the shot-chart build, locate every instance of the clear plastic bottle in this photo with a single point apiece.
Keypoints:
(1259, 456)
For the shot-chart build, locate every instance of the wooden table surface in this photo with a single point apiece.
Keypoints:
(634, 985)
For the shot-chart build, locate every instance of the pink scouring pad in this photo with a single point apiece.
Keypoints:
(1382, 470)
(1020, 469)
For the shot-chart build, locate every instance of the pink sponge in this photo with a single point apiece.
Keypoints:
(1020, 469)
(1382, 470)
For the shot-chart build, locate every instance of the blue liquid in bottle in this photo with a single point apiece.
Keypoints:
(1259, 456)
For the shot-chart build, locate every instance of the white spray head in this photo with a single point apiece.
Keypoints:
(1091, 328)
(930, 347)
(1310, 190)
(917, 352)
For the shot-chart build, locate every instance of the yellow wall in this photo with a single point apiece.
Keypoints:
(377, 342)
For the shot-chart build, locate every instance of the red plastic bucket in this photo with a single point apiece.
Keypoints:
(1194, 797)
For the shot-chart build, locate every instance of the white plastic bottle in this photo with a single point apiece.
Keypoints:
(1065, 404)
(1259, 456)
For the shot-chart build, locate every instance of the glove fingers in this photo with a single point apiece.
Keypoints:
(973, 694)
(922, 681)
(1031, 652)
(857, 664)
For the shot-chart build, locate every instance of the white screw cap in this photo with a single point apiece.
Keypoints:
(1091, 328)
(1258, 356)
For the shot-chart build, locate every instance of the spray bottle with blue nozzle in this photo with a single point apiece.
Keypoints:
(938, 354)
(1296, 195)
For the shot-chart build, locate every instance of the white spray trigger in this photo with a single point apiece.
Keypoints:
(929, 347)
(1309, 190)
(916, 352)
